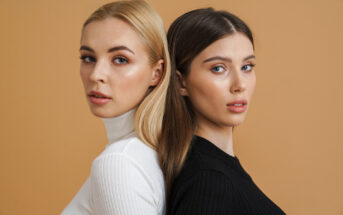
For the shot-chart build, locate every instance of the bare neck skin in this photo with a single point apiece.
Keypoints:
(221, 136)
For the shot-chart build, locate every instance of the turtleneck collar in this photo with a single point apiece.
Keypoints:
(120, 126)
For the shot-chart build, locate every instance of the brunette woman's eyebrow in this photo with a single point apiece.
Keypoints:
(227, 59)
(86, 48)
(217, 58)
(116, 48)
(249, 57)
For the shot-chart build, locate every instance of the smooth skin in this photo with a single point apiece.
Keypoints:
(115, 62)
(220, 74)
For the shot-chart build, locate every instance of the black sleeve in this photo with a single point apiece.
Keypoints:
(205, 193)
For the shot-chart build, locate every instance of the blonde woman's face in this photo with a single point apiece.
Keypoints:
(115, 67)
(221, 82)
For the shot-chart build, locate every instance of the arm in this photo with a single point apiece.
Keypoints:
(120, 187)
(205, 193)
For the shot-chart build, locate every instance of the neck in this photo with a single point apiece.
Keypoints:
(120, 126)
(220, 136)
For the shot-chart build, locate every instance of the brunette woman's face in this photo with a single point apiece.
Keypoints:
(221, 81)
(115, 68)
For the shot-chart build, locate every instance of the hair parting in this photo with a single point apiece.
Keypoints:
(187, 37)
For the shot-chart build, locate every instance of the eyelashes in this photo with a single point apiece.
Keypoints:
(117, 60)
(248, 67)
(120, 60)
(219, 69)
(87, 59)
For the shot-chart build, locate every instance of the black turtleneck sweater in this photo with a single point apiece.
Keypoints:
(214, 183)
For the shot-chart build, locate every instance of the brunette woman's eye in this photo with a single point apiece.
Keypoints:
(87, 59)
(120, 60)
(248, 67)
(218, 69)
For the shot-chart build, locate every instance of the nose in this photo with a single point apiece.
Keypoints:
(100, 72)
(238, 83)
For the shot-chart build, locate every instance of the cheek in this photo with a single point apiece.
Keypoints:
(134, 84)
(205, 93)
(128, 84)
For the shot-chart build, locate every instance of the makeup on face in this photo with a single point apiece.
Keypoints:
(98, 98)
(115, 67)
(222, 80)
(238, 106)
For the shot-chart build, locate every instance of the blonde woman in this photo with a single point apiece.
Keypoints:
(125, 72)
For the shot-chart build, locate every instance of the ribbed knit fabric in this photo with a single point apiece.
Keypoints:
(214, 183)
(125, 178)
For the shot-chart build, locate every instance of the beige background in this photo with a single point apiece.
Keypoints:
(291, 142)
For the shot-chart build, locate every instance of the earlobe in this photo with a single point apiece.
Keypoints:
(183, 89)
(157, 73)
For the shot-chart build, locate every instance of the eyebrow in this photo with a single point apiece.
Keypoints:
(116, 48)
(120, 48)
(86, 48)
(249, 57)
(226, 59)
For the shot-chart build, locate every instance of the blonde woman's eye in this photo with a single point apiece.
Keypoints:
(248, 67)
(120, 60)
(218, 69)
(87, 59)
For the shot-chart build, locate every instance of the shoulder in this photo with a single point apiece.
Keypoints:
(199, 163)
(133, 152)
(131, 146)
(205, 192)
(128, 166)
(205, 180)
(202, 173)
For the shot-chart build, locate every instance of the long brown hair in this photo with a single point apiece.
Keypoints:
(148, 24)
(188, 35)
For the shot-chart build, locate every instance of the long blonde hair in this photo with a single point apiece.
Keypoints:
(149, 25)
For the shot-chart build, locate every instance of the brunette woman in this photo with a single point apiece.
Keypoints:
(125, 72)
(212, 83)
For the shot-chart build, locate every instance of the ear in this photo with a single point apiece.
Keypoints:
(157, 73)
(183, 89)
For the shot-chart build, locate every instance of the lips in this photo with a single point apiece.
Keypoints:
(98, 98)
(238, 106)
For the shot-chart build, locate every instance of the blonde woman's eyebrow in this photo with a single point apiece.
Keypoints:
(113, 49)
(117, 48)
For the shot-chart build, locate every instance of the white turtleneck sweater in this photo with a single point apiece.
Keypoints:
(125, 178)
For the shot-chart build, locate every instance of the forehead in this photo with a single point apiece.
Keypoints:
(110, 32)
(234, 46)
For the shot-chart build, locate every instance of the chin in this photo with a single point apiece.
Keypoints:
(101, 115)
(235, 121)
(109, 111)
(99, 112)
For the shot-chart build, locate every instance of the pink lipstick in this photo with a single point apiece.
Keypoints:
(98, 98)
(238, 106)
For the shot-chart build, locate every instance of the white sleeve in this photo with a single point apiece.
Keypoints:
(121, 187)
